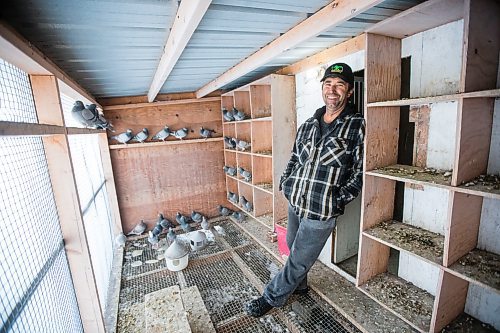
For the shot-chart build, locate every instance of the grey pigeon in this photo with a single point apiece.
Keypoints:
(227, 115)
(204, 224)
(239, 216)
(183, 222)
(83, 115)
(102, 123)
(165, 223)
(230, 142)
(120, 239)
(141, 136)
(171, 236)
(224, 211)
(138, 229)
(196, 217)
(242, 145)
(233, 197)
(206, 133)
(238, 115)
(229, 170)
(123, 137)
(246, 204)
(152, 238)
(245, 174)
(157, 229)
(162, 134)
(181, 133)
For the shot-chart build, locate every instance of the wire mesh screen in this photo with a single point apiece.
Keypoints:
(34, 275)
(16, 98)
(89, 176)
(66, 105)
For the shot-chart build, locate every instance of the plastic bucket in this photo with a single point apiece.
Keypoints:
(281, 233)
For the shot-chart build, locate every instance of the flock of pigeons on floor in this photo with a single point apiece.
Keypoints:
(187, 224)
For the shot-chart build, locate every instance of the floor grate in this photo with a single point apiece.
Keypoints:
(133, 290)
(262, 265)
(266, 324)
(233, 234)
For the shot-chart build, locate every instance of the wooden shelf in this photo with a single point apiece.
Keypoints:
(425, 244)
(436, 99)
(466, 323)
(402, 298)
(263, 219)
(479, 267)
(264, 154)
(262, 119)
(266, 187)
(162, 143)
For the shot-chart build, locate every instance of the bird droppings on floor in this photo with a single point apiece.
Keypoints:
(223, 274)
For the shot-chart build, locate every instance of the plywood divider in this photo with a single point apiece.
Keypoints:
(450, 300)
(260, 100)
(231, 185)
(475, 119)
(381, 137)
(244, 132)
(242, 102)
(245, 162)
(262, 170)
(230, 129)
(377, 201)
(47, 102)
(461, 234)
(261, 140)
(263, 202)
(227, 102)
(230, 159)
(246, 191)
(373, 259)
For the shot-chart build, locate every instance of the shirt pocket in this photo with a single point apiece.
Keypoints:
(335, 152)
(304, 150)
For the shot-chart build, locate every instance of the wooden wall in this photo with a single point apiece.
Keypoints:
(172, 176)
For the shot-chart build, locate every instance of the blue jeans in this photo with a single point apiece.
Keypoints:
(305, 238)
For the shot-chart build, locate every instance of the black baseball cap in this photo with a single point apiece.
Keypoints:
(340, 70)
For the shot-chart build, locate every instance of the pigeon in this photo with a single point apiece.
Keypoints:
(83, 115)
(239, 216)
(224, 211)
(230, 142)
(227, 115)
(171, 236)
(165, 223)
(246, 204)
(102, 123)
(152, 238)
(181, 133)
(228, 170)
(196, 217)
(242, 145)
(206, 133)
(120, 239)
(183, 222)
(141, 136)
(233, 197)
(204, 223)
(138, 229)
(123, 137)
(238, 115)
(162, 134)
(157, 229)
(245, 174)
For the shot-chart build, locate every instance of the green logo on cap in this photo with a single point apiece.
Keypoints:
(337, 69)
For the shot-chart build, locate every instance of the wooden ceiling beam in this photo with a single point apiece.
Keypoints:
(333, 14)
(187, 19)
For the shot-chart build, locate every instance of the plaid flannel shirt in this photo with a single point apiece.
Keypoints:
(325, 172)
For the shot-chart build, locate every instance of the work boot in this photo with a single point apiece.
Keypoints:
(301, 291)
(258, 307)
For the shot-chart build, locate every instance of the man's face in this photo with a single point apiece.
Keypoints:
(335, 93)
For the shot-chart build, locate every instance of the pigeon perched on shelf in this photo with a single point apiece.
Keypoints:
(238, 115)
(230, 142)
(181, 133)
(224, 211)
(152, 238)
(120, 239)
(141, 136)
(206, 133)
(123, 137)
(171, 236)
(233, 197)
(247, 175)
(165, 223)
(83, 115)
(204, 223)
(196, 217)
(157, 230)
(247, 205)
(227, 115)
(102, 123)
(138, 229)
(242, 145)
(229, 170)
(183, 222)
(162, 134)
(239, 216)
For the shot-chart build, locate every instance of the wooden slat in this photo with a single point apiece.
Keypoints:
(163, 143)
(377, 201)
(461, 235)
(381, 137)
(260, 101)
(421, 117)
(242, 102)
(263, 202)
(77, 131)
(343, 49)
(450, 300)
(331, 15)
(161, 103)
(15, 128)
(373, 259)
(46, 96)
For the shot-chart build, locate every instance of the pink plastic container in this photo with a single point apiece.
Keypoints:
(281, 233)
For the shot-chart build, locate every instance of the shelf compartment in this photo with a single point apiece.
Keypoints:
(162, 143)
(245, 162)
(231, 185)
(246, 190)
(260, 100)
(402, 298)
(263, 202)
(418, 175)
(229, 129)
(262, 137)
(227, 102)
(266, 220)
(243, 132)
(242, 102)
(421, 242)
(466, 323)
(230, 158)
(262, 172)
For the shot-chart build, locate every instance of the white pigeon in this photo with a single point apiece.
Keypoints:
(138, 229)
(123, 137)
(204, 223)
(120, 239)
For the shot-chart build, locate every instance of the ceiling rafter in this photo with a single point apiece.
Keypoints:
(333, 14)
(187, 19)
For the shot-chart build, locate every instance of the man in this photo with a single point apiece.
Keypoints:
(323, 175)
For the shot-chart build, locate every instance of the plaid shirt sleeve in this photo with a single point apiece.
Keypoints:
(289, 167)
